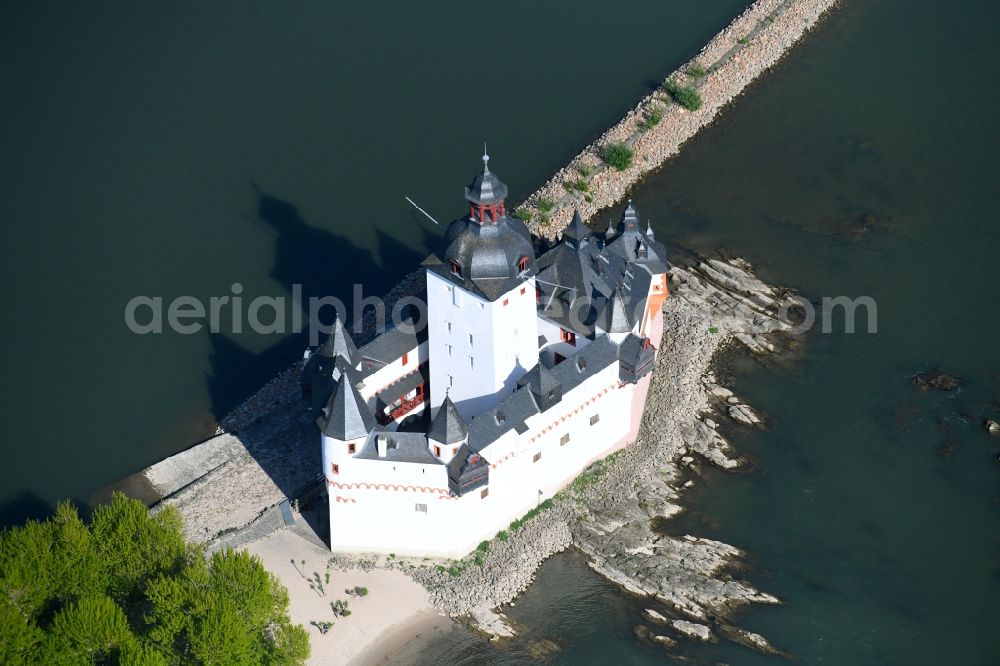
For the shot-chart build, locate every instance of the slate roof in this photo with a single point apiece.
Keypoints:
(401, 447)
(486, 188)
(577, 233)
(614, 317)
(467, 471)
(392, 344)
(338, 342)
(488, 255)
(448, 426)
(631, 243)
(346, 416)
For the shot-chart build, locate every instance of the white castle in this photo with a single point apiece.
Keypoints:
(437, 434)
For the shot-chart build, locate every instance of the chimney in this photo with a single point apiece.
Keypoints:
(381, 445)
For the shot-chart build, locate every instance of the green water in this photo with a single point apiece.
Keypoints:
(169, 150)
(872, 508)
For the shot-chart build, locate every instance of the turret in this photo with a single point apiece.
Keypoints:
(447, 432)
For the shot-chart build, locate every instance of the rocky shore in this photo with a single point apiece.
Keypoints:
(612, 512)
(735, 57)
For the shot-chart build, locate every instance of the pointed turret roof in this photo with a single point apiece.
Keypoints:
(649, 231)
(338, 343)
(630, 219)
(448, 426)
(540, 380)
(577, 233)
(486, 188)
(346, 415)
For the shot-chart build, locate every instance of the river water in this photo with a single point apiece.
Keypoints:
(864, 165)
(177, 153)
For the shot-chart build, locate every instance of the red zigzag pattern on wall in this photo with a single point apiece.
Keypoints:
(386, 486)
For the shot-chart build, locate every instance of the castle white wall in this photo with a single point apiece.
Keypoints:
(394, 371)
(480, 348)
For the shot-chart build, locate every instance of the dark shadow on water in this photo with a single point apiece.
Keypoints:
(324, 264)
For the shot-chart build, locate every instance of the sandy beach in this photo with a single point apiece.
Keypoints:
(395, 610)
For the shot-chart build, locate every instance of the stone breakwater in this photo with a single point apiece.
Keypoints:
(745, 49)
(612, 512)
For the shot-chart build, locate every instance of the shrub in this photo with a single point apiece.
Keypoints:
(653, 117)
(483, 547)
(696, 71)
(545, 205)
(743, 40)
(502, 535)
(584, 170)
(576, 185)
(523, 214)
(686, 96)
(617, 155)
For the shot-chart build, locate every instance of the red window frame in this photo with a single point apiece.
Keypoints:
(522, 263)
(456, 268)
(406, 358)
(567, 336)
(352, 448)
(335, 469)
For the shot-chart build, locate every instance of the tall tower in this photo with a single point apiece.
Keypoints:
(482, 320)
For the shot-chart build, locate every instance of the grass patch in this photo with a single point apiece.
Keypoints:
(523, 214)
(652, 119)
(589, 476)
(545, 205)
(576, 185)
(696, 71)
(743, 40)
(617, 155)
(585, 170)
(502, 535)
(686, 96)
(713, 329)
(519, 522)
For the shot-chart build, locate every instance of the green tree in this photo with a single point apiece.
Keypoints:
(127, 589)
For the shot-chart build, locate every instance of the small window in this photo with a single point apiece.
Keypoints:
(470, 339)
(567, 336)
(506, 301)
(536, 457)
(335, 469)
(437, 451)
(448, 324)
(522, 264)
(406, 358)
(451, 380)
(472, 362)
(420, 508)
(352, 448)
(523, 290)
(564, 440)
(449, 349)
(595, 418)
(484, 493)
(456, 268)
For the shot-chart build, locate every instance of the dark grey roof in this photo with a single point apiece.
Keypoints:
(346, 416)
(401, 447)
(488, 255)
(637, 355)
(545, 388)
(516, 409)
(448, 426)
(635, 246)
(486, 188)
(577, 233)
(392, 344)
(614, 316)
(325, 377)
(467, 471)
(339, 342)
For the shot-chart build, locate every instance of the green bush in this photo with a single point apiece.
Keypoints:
(523, 214)
(696, 71)
(686, 96)
(617, 155)
(545, 205)
(126, 589)
(576, 185)
(653, 117)
(502, 535)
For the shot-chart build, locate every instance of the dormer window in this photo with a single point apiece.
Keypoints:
(456, 268)
(522, 264)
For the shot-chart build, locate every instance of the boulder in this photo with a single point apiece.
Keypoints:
(692, 629)
(992, 426)
(936, 379)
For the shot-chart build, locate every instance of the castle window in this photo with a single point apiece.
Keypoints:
(352, 448)
(449, 349)
(536, 457)
(437, 451)
(595, 418)
(522, 264)
(472, 362)
(335, 469)
(523, 289)
(420, 508)
(482, 495)
(564, 440)
(567, 336)
(406, 358)
(448, 324)
(470, 339)
(451, 380)
(456, 268)
(506, 301)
